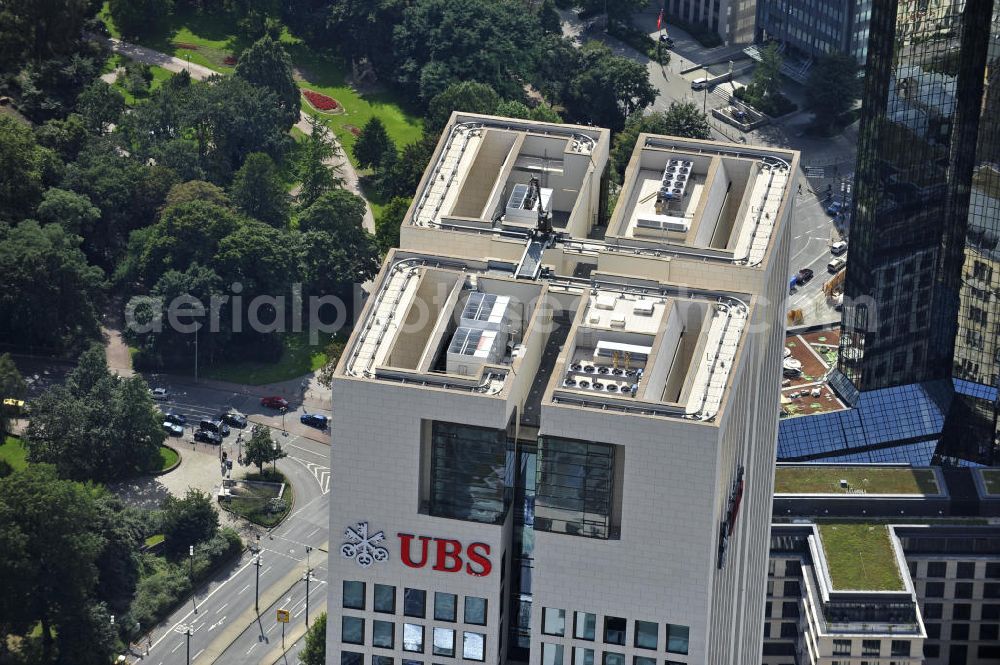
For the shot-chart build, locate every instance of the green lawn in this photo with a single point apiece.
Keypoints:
(160, 75)
(252, 505)
(168, 457)
(873, 480)
(991, 478)
(155, 539)
(14, 453)
(298, 359)
(208, 39)
(860, 556)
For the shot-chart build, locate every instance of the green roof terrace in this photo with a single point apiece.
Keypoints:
(860, 556)
(826, 479)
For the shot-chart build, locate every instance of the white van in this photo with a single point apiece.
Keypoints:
(838, 248)
(699, 84)
(837, 264)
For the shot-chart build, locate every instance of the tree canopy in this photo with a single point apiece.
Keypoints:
(266, 64)
(833, 87)
(373, 144)
(258, 191)
(681, 119)
(261, 449)
(608, 88)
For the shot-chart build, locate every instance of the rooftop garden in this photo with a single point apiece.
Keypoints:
(860, 479)
(860, 556)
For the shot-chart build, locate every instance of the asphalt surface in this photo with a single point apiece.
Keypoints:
(226, 627)
(813, 231)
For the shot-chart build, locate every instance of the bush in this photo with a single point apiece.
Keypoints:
(774, 106)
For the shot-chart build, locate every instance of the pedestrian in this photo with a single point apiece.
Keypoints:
(800, 188)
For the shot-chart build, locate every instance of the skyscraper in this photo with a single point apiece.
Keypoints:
(554, 438)
(918, 358)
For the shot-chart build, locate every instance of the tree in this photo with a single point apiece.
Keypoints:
(266, 64)
(608, 88)
(765, 82)
(373, 143)
(96, 426)
(361, 29)
(66, 137)
(73, 211)
(317, 172)
(258, 191)
(196, 190)
(314, 652)
(413, 162)
(261, 449)
(136, 78)
(832, 88)
(555, 62)
(188, 521)
(683, 119)
(337, 213)
(512, 109)
(388, 222)
(138, 18)
(21, 169)
(48, 293)
(49, 568)
(12, 386)
(466, 96)
(37, 30)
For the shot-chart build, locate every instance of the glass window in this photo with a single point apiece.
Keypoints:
(584, 625)
(381, 660)
(354, 595)
(961, 611)
(993, 570)
(990, 611)
(352, 630)
(989, 631)
(934, 590)
(575, 487)
(383, 634)
(789, 630)
(445, 605)
(870, 647)
(932, 611)
(611, 658)
(900, 648)
(552, 654)
(643, 660)
(444, 642)
(553, 621)
(475, 610)
(936, 568)
(414, 602)
(412, 662)
(473, 646)
(582, 656)
(385, 598)
(959, 631)
(469, 472)
(646, 634)
(413, 637)
(963, 590)
(351, 658)
(614, 630)
(677, 638)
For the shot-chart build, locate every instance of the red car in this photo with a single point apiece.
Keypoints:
(274, 402)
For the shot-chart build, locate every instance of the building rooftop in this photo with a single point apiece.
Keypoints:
(632, 345)
(991, 480)
(828, 479)
(809, 358)
(860, 556)
(721, 200)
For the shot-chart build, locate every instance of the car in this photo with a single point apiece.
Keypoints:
(175, 418)
(216, 426)
(838, 248)
(834, 208)
(234, 419)
(837, 264)
(274, 402)
(159, 393)
(316, 420)
(666, 40)
(699, 84)
(207, 437)
(173, 429)
(804, 275)
(739, 114)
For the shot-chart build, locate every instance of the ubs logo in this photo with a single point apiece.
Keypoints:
(363, 547)
(447, 555)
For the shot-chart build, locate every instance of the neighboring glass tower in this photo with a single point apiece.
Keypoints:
(918, 352)
(925, 164)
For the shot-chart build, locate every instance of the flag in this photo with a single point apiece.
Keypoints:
(659, 19)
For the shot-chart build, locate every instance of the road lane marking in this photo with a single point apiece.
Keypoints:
(198, 654)
(223, 607)
(313, 532)
(264, 572)
(243, 589)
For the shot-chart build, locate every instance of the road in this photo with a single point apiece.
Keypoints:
(812, 234)
(226, 627)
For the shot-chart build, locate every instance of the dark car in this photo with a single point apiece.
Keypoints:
(234, 419)
(666, 40)
(804, 275)
(316, 420)
(173, 429)
(834, 208)
(175, 418)
(216, 426)
(274, 402)
(207, 437)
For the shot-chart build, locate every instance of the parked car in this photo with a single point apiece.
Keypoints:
(234, 419)
(838, 248)
(666, 40)
(207, 437)
(699, 84)
(176, 418)
(173, 429)
(837, 264)
(316, 420)
(274, 402)
(159, 393)
(804, 275)
(834, 208)
(216, 426)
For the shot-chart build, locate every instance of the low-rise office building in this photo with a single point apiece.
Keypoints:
(555, 433)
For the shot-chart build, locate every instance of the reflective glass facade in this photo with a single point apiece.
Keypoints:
(471, 472)
(575, 492)
(919, 296)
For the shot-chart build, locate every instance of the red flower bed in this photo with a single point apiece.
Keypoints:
(229, 60)
(321, 102)
(185, 45)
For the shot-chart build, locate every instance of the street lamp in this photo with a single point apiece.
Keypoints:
(188, 633)
(308, 579)
(274, 459)
(194, 599)
(283, 411)
(256, 593)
